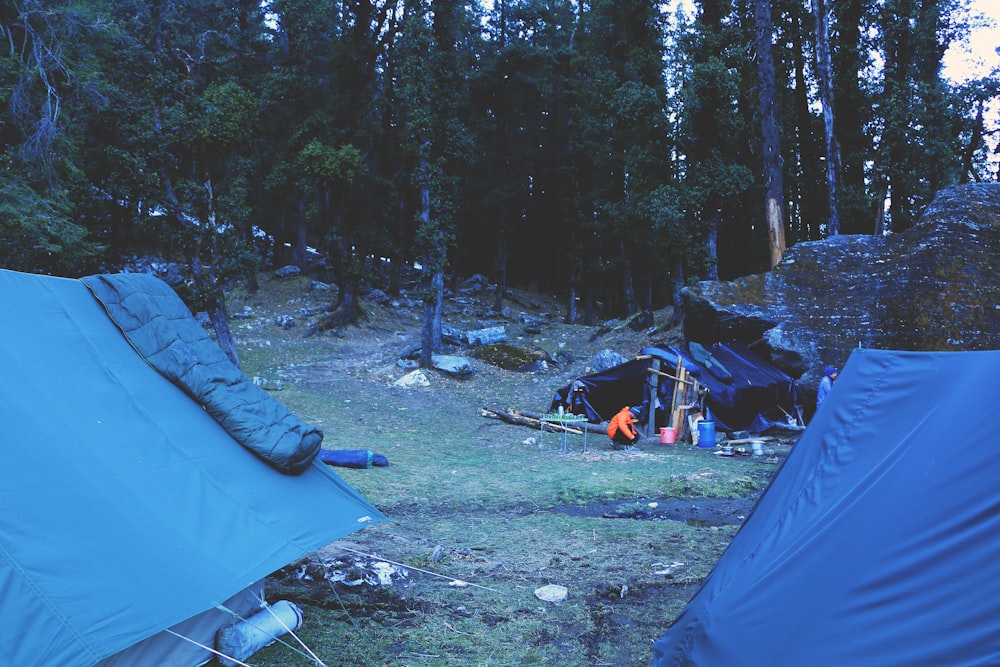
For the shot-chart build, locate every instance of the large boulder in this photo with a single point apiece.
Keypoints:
(932, 287)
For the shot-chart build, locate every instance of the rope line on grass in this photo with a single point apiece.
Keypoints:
(280, 640)
(207, 648)
(305, 648)
(457, 582)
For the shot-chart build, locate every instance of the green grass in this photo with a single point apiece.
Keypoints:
(429, 622)
(476, 489)
(480, 493)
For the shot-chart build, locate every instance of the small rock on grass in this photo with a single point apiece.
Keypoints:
(551, 593)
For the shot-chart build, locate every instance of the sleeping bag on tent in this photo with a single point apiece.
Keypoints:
(161, 328)
(131, 522)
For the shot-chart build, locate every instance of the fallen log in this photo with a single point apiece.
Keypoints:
(510, 417)
(587, 426)
(533, 420)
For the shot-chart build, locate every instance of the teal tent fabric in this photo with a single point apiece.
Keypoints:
(125, 508)
(878, 542)
(160, 327)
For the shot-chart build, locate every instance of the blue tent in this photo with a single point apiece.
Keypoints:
(877, 541)
(125, 508)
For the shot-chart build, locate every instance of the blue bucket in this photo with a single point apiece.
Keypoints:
(706, 434)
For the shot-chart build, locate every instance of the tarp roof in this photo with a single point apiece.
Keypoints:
(756, 395)
(876, 543)
(124, 507)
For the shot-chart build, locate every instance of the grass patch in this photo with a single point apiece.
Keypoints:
(504, 355)
(619, 599)
(476, 500)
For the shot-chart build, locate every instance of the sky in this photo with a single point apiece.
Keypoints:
(979, 56)
(975, 59)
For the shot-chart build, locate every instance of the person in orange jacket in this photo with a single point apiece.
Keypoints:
(621, 428)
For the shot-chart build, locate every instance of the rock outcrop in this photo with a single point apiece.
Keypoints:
(932, 287)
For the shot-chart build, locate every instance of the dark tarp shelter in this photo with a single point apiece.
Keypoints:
(745, 391)
(600, 395)
(126, 510)
(876, 544)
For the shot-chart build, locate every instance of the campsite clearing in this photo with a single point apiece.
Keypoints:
(479, 518)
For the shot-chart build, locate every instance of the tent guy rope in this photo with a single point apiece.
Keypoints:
(207, 648)
(417, 569)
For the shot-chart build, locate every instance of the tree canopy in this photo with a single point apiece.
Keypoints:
(607, 151)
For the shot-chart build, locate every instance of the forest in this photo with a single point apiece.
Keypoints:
(606, 151)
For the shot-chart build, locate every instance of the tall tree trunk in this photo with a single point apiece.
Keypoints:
(430, 339)
(502, 268)
(975, 143)
(571, 306)
(395, 275)
(223, 335)
(710, 242)
(881, 192)
(300, 242)
(347, 310)
(897, 103)
(628, 280)
(503, 163)
(676, 297)
(853, 111)
(501, 288)
(433, 289)
(823, 70)
(803, 223)
(215, 306)
(770, 133)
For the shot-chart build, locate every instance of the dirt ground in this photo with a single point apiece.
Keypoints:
(695, 512)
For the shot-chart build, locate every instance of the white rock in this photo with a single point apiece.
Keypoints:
(413, 379)
(552, 593)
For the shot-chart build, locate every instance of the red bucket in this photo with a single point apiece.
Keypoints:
(667, 435)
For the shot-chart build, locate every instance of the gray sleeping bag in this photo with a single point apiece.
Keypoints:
(161, 328)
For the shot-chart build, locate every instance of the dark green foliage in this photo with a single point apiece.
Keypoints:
(36, 234)
(603, 151)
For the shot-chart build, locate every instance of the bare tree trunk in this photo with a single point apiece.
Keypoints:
(223, 335)
(300, 242)
(803, 224)
(880, 196)
(430, 340)
(823, 70)
(433, 292)
(501, 283)
(975, 142)
(571, 306)
(678, 285)
(628, 280)
(588, 306)
(711, 244)
(215, 306)
(770, 134)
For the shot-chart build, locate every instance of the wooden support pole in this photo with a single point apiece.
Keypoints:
(651, 385)
(675, 378)
(677, 404)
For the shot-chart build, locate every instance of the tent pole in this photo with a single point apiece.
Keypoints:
(652, 383)
(676, 378)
